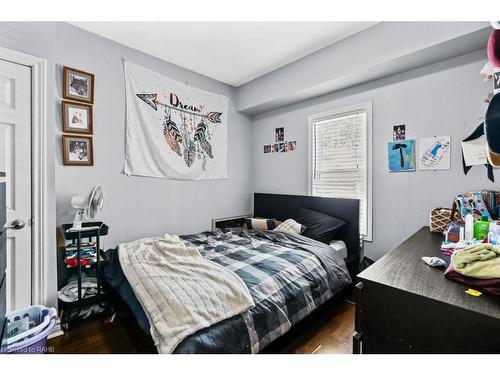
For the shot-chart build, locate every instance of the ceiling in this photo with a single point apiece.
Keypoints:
(230, 52)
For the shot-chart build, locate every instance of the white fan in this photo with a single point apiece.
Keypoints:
(87, 207)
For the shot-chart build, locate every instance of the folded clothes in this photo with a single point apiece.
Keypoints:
(489, 285)
(480, 261)
(449, 248)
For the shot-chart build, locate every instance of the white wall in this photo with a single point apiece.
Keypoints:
(440, 99)
(136, 207)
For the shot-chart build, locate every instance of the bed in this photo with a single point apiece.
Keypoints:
(265, 261)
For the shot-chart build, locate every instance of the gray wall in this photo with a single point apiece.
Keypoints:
(136, 207)
(440, 99)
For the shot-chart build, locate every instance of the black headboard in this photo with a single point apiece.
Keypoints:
(284, 207)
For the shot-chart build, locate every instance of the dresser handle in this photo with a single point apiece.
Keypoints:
(359, 286)
(356, 342)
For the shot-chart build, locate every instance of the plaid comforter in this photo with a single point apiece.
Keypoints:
(288, 277)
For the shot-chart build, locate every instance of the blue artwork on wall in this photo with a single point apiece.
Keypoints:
(401, 156)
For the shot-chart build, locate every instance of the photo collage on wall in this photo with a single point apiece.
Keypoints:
(280, 144)
(77, 117)
(433, 152)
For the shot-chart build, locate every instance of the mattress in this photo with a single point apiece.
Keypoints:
(288, 277)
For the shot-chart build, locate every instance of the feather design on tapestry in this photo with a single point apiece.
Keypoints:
(207, 148)
(173, 130)
(172, 135)
(189, 153)
(172, 142)
(200, 135)
(186, 140)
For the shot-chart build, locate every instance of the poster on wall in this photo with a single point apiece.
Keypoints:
(434, 153)
(173, 130)
(399, 133)
(474, 151)
(401, 156)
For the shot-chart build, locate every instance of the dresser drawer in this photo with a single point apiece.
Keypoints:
(3, 254)
(2, 306)
(392, 321)
(3, 212)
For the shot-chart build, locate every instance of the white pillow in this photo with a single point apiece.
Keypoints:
(291, 226)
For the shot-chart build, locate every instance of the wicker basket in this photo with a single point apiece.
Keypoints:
(440, 218)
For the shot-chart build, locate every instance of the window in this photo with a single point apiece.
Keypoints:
(340, 158)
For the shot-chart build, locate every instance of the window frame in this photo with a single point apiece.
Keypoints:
(338, 112)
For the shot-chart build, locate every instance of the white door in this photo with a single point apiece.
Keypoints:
(15, 160)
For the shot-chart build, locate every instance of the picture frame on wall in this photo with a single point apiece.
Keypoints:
(78, 150)
(78, 85)
(77, 117)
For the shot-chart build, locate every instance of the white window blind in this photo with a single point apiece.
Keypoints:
(340, 160)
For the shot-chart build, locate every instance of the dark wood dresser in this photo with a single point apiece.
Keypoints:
(3, 257)
(406, 306)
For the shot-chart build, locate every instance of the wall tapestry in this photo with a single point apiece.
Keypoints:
(434, 153)
(401, 156)
(173, 130)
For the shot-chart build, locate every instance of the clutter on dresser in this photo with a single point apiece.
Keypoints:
(472, 241)
(440, 218)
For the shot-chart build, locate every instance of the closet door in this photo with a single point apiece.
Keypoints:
(15, 162)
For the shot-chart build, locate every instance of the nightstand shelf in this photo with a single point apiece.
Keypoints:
(72, 311)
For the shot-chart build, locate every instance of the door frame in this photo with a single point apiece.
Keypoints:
(42, 236)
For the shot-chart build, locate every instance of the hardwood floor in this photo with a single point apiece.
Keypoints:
(328, 332)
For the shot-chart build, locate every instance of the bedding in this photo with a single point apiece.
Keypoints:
(181, 291)
(258, 223)
(287, 275)
(290, 226)
(319, 226)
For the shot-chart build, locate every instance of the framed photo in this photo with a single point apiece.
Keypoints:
(77, 150)
(267, 149)
(78, 85)
(77, 118)
(279, 134)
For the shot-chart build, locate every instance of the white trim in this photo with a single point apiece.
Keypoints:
(368, 108)
(41, 243)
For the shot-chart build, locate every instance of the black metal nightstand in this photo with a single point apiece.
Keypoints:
(71, 311)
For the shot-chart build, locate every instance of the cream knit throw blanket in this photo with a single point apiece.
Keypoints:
(180, 291)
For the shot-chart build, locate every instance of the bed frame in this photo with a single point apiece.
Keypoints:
(282, 207)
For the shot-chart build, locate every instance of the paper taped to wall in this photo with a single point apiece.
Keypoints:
(474, 151)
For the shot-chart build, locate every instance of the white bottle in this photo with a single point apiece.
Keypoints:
(494, 235)
(469, 227)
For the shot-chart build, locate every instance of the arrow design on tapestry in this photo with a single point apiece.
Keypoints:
(153, 102)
